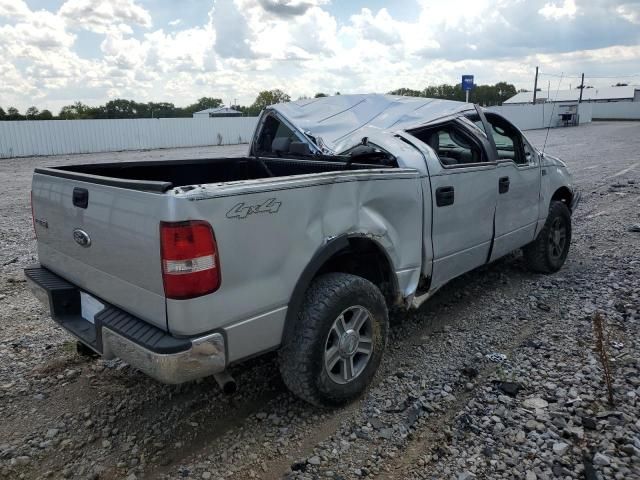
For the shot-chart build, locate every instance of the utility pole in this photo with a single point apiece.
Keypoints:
(535, 87)
(581, 88)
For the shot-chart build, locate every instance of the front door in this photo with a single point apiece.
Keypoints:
(518, 175)
(464, 194)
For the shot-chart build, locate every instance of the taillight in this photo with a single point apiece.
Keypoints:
(190, 265)
(33, 217)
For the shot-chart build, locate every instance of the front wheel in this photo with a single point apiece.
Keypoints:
(336, 345)
(549, 250)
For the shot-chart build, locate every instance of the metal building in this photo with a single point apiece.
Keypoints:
(630, 93)
(217, 112)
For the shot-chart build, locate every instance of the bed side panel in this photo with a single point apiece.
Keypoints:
(267, 237)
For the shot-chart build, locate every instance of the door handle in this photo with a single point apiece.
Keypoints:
(503, 185)
(444, 196)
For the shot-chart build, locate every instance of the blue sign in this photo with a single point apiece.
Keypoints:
(467, 82)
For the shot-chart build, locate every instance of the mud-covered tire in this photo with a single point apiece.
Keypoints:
(304, 356)
(548, 252)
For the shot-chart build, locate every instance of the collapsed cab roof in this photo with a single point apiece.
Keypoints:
(340, 119)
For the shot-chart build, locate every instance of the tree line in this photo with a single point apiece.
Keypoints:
(485, 95)
(121, 108)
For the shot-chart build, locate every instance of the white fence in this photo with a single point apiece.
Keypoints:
(59, 137)
(616, 111)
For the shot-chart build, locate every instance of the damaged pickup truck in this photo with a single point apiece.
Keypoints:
(343, 207)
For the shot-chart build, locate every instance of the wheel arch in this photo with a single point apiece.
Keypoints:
(345, 254)
(563, 194)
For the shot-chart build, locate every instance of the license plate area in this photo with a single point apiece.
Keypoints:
(89, 307)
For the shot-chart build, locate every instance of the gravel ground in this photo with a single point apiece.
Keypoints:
(442, 406)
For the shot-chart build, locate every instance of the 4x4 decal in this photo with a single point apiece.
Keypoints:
(242, 211)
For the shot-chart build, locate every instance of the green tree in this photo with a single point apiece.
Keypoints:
(504, 91)
(202, 104)
(120, 108)
(161, 110)
(445, 92)
(45, 115)
(208, 102)
(76, 111)
(320, 95)
(407, 92)
(3, 114)
(269, 97)
(32, 113)
(13, 114)
(481, 94)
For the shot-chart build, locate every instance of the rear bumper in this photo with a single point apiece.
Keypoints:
(115, 333)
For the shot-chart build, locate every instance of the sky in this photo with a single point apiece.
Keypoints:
(57, 52)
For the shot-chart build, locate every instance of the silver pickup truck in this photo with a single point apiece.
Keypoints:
(343, 207)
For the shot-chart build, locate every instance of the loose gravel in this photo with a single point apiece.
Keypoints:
(498, 376)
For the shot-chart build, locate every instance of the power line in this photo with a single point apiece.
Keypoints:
(588, 76)
(614, 76)
(558, 76)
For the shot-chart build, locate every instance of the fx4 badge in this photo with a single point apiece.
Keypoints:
(243, 211)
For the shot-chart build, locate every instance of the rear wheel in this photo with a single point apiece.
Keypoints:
(548, 252)
(337, 343)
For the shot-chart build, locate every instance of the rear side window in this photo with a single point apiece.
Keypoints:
(275, 137)
(284, 132)
(454, 146)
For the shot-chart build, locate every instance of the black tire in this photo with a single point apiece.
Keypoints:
(545, 254)
(303, 356)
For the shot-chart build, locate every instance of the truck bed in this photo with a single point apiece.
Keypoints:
(160, 176)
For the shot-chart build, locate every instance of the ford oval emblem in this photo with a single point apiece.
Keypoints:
(81, 237)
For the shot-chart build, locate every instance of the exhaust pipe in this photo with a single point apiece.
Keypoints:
(226, 382)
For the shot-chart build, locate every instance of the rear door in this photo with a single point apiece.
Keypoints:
(106, 241)
(464, 192)
(518, 187)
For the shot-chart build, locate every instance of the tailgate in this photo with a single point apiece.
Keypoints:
(110, 248)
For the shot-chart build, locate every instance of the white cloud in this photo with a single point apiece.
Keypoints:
(13, 8)
(289, 8)
(190, 49)
(125, 53)
(380, 27)
(232, 31)
(568, 9)
(34, 34)
(102, 15)
(630, 12)
(245, 46)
